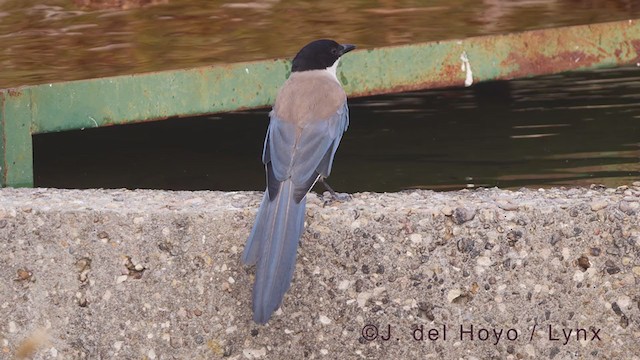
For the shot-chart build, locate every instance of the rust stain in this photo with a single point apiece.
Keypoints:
(636, 47)
(568, 56)
(14, 92)
(107, 121)
(567, 52)
(389, 90)
(449, 75)
(538, 64)
(529, 61)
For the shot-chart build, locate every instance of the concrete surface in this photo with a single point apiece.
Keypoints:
(117, 274)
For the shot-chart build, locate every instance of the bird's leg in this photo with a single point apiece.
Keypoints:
(334, 195)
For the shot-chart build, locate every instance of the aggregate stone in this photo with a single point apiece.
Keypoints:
(155, 274)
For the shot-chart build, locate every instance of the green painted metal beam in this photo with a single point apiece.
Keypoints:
(159, 95)
(502, 57)
(16, 166)
(153, 96)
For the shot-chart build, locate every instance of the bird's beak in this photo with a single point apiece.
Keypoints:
(346, 48)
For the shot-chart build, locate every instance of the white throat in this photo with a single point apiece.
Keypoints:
(332, 70)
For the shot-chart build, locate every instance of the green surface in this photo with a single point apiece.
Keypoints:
(511, 56)
(16, 142)
(152, 96)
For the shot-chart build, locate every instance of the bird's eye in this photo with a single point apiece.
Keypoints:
(334, 51)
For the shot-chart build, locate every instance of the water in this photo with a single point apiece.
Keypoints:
(52, 40)
(572, 129)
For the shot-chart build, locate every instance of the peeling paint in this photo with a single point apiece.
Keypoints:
(466, 68)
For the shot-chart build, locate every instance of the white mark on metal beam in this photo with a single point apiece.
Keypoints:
(246, 70)
(466, 66)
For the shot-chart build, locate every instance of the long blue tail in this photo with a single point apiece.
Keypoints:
(273, 244)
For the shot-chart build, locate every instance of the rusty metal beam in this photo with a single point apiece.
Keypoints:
(153, 96)
(504, 57)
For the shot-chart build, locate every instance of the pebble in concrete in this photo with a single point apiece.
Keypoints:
(498, 274)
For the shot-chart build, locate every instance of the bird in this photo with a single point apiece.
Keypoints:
(307, 121)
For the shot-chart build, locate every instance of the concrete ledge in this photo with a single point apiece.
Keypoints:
(156, 275)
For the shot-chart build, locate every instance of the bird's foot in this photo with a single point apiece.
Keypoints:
(341, 197)
(331, 197)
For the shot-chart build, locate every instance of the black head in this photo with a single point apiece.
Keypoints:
(319, 55)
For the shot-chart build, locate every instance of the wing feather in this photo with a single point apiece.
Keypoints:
(302, 153)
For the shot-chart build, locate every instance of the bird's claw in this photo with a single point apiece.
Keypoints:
(330, 198)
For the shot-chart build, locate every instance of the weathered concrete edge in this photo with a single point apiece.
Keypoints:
(151, 274)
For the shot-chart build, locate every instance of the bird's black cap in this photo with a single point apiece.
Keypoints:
(319, 55)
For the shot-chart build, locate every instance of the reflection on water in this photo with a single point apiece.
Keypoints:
(571, 129)
(52, 40)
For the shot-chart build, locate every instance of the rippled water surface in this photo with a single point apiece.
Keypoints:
(570, 129)
(52, 40)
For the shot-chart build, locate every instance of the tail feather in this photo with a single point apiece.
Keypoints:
(252, 247)
(272, 245)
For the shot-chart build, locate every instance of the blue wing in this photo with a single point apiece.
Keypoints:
(294, 158)
(302, 155)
